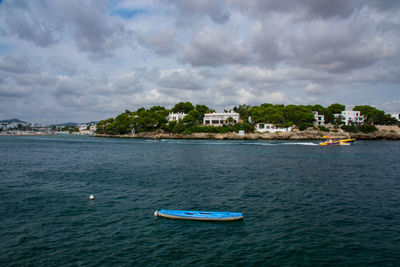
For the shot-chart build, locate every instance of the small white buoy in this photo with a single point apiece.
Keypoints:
(91, 197)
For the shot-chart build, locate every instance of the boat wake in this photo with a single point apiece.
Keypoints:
(285, 144)
(301, 144)
(231, 143)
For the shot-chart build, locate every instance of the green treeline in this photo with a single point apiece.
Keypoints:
(156, 118)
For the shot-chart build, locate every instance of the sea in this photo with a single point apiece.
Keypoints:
(303, 204)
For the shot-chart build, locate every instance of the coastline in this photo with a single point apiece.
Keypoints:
(384, 132)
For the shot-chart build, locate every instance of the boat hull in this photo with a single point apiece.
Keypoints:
(199, 215)
(343, 142)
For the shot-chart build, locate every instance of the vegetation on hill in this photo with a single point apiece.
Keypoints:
(366, 128)
(156, 118)
(375, 116)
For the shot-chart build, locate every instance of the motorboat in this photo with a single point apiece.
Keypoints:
(330, 141)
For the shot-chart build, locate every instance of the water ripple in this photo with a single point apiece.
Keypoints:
(303, 204)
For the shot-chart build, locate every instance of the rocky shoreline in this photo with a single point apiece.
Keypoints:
(383, 133)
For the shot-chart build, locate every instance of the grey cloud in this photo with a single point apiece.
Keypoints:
(68, 87)
(215, 9)
(265, 44)
(13, 91)
(16, 64)
(161, 42)
(19, 77)
(126, 84)
(35, 80)
(93, 31)
(62, 65)
(48, 22)
(256, 76)
(373, 75)
(111, 86)
(384, 5)
(30, 28)
(317, 89)
(314, 82)
(215, 48)
(339, 47)
(182, 79)
(329, 8)
(9, 87)
(310, 8)
(147, 74)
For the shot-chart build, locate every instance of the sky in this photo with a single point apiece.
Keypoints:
(84, 60)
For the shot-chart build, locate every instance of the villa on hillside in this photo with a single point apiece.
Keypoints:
(219, 119)
(176, 116)
(270, 128)
(319, 119)
(86, 129)
(396, 116)
(5, 125)
(82, 127)
(350, 117)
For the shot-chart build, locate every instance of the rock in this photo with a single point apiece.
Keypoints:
(294, 135)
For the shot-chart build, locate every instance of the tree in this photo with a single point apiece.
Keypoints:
(388, 120)
(299, 114)
(102, 125)
(230, 121)
(257, 114)
(276, 118)
(189, 118)
(331, 110)
(196, 115)
(156, 109)
(183, 107)
(243, 111)
(336, 108)
(338, 120)
(203, 109)
(122, 123)
(319, 108)
(371, 114)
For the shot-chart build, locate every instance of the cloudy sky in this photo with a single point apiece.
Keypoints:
(82, 60)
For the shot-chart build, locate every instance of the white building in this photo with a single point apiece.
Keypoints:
(319, 119)
(350, 117)
(82, 127)
(93, 127)
(270, 128)
(176, 116)
(219, 119)
(13, 125)
(396, 116)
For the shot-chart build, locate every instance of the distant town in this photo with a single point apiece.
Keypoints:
(18, 127)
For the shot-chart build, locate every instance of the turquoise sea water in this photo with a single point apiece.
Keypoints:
(303, 204)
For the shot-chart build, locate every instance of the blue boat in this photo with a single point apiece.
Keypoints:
(199, 215)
